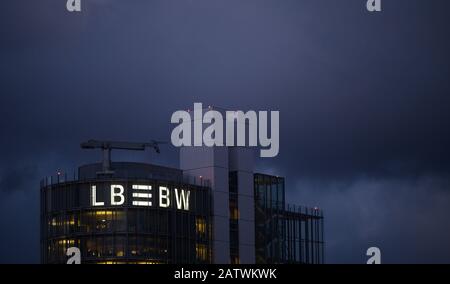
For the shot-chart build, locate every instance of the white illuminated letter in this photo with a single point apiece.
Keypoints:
(164, 200)
(115, 194)
(147, 195)
(94, 197)
(183, 201)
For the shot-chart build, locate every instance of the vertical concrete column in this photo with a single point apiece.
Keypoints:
(212, 163)
(241, 159)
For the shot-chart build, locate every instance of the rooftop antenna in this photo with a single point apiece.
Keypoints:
(107, 146)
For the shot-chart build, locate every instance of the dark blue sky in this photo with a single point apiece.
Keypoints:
(363, 99)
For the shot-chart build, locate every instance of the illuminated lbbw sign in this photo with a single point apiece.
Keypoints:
(142, 196)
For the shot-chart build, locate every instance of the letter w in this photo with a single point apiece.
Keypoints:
(183, 200)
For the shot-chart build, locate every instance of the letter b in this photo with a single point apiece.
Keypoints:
(119, 194)
(164, 200)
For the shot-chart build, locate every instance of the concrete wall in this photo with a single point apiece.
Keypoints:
(241, 159)
(212, 163)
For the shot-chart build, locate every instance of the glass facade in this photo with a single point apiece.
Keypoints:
(284, 233)
(234, 217)
(142, 218)
(124, 233)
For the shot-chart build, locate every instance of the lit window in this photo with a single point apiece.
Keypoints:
(201, 252)
(200, 225)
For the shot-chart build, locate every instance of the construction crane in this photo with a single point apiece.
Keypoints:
(107, 146)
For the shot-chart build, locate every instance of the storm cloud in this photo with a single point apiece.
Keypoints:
(405, 217)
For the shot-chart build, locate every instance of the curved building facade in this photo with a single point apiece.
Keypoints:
(140, 213)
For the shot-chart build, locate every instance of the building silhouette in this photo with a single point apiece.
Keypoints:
(213, 209)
